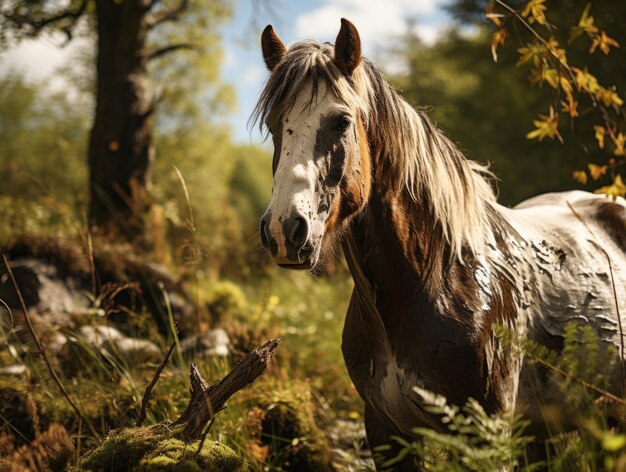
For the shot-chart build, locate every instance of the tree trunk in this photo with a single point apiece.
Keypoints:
(121, 150)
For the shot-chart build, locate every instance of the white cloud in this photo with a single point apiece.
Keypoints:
(376, 20)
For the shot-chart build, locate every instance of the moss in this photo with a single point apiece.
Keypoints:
(225, 300)
(18, 413)
(174, 455)
(122, 449)
(158, 449)
(289, 428)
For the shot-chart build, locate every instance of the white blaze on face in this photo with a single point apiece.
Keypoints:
(295, 191)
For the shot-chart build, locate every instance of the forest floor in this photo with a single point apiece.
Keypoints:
(105, 319)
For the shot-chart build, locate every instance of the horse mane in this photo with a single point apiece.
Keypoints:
(411, 152)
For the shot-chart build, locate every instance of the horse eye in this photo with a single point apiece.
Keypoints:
(342, 123)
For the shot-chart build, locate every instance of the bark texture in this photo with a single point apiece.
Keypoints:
(121, 149)
(208, 400)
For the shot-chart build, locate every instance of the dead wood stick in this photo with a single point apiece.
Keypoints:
(206, 401)
(155, 378)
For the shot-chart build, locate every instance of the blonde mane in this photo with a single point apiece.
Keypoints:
(415, 153)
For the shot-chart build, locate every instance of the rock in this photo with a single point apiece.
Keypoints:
(55, 272)
(17, 370)
(43, 290)
(114, 342)
(349, 452)
(213, 343)
(135, 349)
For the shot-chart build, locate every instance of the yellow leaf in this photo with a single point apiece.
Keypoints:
(494, 17)
(596, 171)
(566, 86)
(586, 23)
(552, 77)
(616, 189)
(619, 142)
(570, 107)
(498, 38)
(600, 134)
(546, 127)
(604, 42)
(527, 53)
(535, 11)
(556, 50)
(585, 81)
(608, 97)
(580, 176)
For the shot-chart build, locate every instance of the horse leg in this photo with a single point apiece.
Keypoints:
(378, 434)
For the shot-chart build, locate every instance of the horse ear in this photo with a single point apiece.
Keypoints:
(273, 47)
(347, 48)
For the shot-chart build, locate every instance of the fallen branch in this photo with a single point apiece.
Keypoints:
(206, 401)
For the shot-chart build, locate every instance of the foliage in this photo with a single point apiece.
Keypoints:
(286, 426)
(51, 451)
(582, 372)
(561, 53)
(456, 79)
(470, 438)
(35, 123)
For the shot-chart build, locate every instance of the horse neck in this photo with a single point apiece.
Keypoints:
(398, 241)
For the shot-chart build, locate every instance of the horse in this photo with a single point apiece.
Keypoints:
(436, 261)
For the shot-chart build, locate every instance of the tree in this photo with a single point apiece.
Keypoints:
(486, 108)
(130, 34)
(568, 48)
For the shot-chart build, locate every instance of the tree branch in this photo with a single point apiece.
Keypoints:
(38, 24)
(168, 49)
(168, 15)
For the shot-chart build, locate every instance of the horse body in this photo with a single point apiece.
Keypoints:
(436, 261)
(547, 266)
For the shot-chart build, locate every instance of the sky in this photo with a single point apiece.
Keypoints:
(378, 21)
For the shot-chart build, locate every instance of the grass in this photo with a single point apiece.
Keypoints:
(107, 387)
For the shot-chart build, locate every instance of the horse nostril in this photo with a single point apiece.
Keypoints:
(265, 240)
(297, 231)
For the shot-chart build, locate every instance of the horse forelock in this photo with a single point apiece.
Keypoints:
(304, 63)
(410, 153)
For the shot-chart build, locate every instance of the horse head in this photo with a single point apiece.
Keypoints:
(313, 108)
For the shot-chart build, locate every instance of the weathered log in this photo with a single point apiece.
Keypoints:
(208, 400)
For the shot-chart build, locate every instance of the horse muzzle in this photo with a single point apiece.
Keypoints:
(288, 241)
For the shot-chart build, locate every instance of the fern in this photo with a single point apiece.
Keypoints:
(471, 440)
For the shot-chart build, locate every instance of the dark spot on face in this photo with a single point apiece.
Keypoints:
(277, 137)
(290, 131)
(329, 148)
